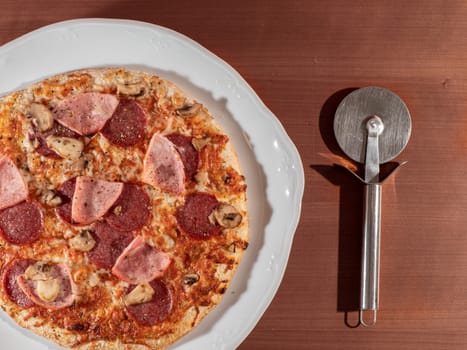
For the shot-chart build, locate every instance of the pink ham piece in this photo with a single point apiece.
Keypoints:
(163, 167)
(13, 189)
(93, 198)
(140, 262)
(86, 113)
(67, 291)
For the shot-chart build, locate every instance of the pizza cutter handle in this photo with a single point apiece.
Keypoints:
(369, 290)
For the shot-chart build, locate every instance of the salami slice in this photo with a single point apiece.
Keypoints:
(154, 311)
(131, 211)
(64, 212)
(110, 243)
(188, 153)
(66, 191)
(193, 216)
(21, 224)
(13, 291)
(127, 125)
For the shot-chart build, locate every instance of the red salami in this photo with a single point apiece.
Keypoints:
(21, 224)
(14, 269)
(110, 243)
(66, 191)
(62, 131)
(154, 311)
(131, 211)
(193, 216)
(127, 125)
(188, 153)
(64, 211)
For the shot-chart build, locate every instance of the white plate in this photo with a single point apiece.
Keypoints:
(270, 161)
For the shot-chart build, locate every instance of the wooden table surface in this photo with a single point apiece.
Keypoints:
(302, 57)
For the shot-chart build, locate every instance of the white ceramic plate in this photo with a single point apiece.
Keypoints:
(269, 159)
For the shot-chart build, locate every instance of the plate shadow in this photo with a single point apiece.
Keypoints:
(350, 210)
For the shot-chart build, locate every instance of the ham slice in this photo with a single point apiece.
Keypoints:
(140, 262)
(13, 189)
(86, 113)
(163, 167)
(67, 290)
(93, 198)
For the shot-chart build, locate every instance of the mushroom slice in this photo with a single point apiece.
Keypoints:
(131, 89)
(83, 241)
(142, 293)
(202, 178)
(48, 290)
(189, 110)
(35, 143)
(51, 199)
(199, 144)
(190, 279)
(40, 271)
(42, 116)
(232, 247)
(65, 147)
(118, 210)
(227, 216)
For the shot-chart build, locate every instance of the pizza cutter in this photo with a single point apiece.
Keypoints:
(372, 125)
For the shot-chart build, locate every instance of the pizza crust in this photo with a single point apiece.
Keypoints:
(162, 99)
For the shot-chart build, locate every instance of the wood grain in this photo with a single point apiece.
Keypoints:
(302, 57)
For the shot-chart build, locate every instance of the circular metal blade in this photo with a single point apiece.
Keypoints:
(353, 112)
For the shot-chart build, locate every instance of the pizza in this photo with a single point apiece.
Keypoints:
(123, 213)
